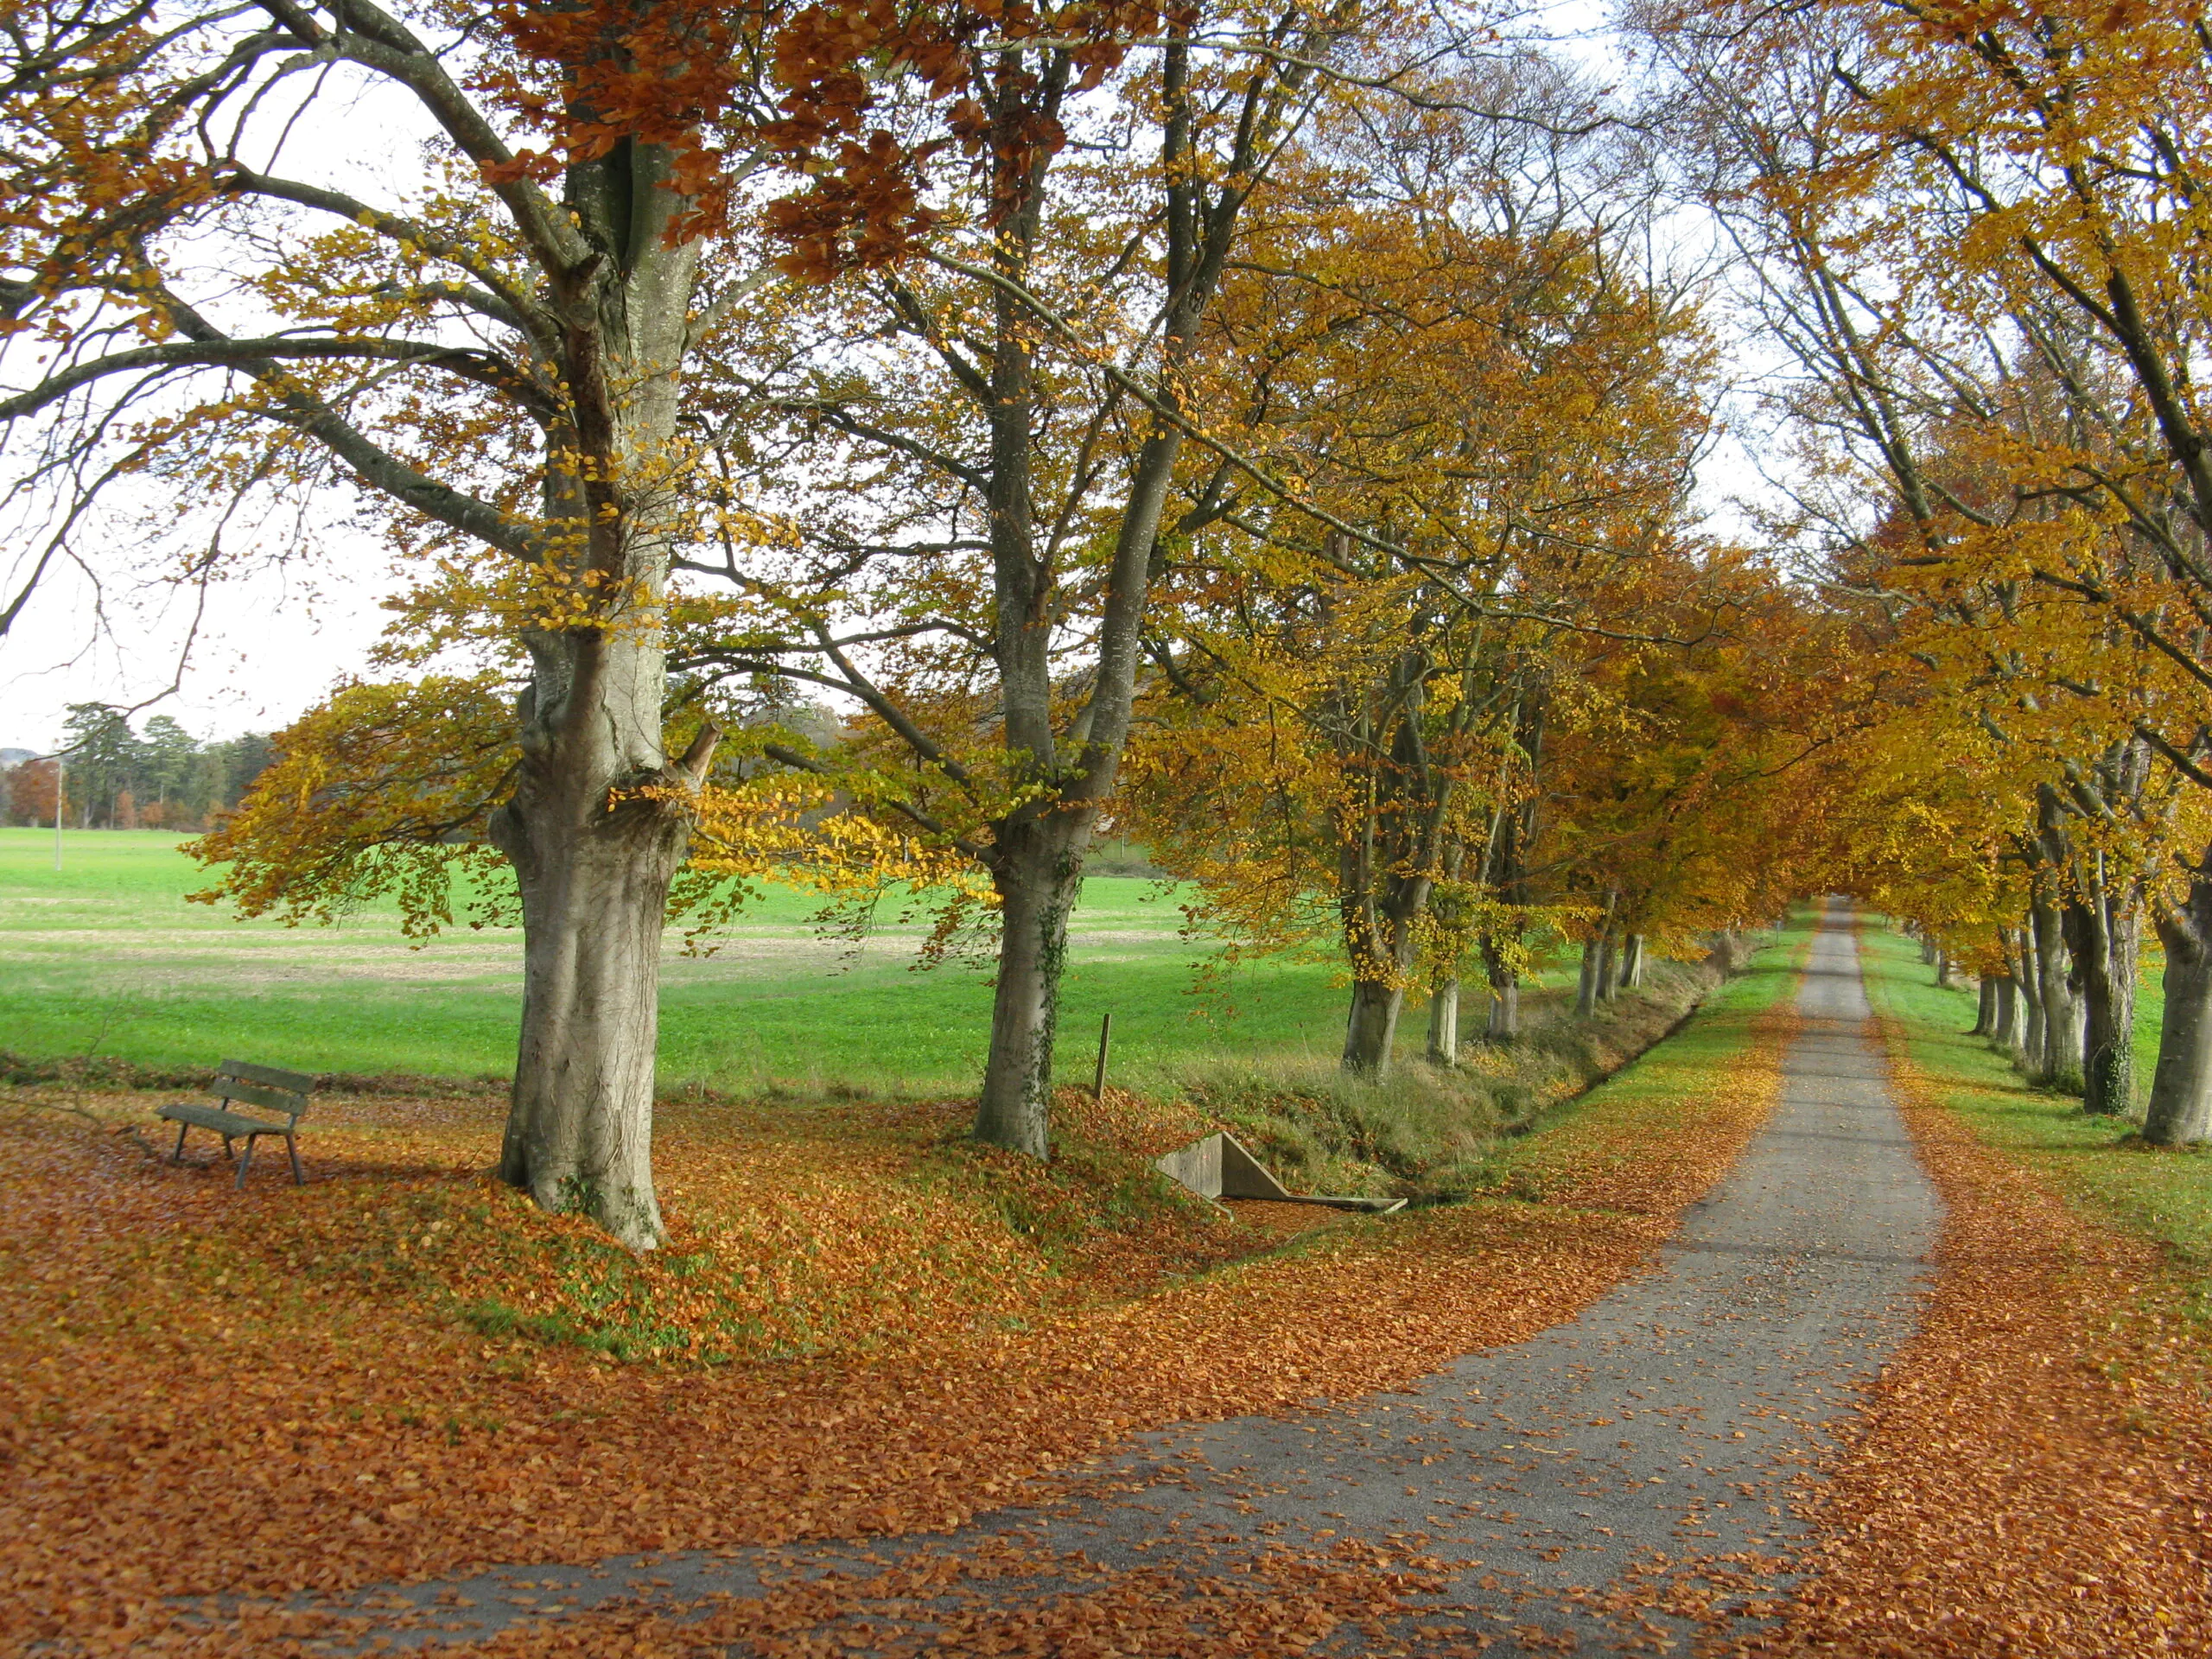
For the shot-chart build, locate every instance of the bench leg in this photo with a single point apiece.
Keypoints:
(299, 1175)
(229, 1151)
(246, 1162)
(177, 1156)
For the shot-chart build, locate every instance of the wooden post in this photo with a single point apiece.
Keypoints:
(1098, 1081)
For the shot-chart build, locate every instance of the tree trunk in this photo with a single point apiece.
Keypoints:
(1585, 990)
(594, 897)
(1382, 936)
(1371, 1028)
(1387, 861)
(1038, 871)
(1943, 967)
(2180, 1109)
(1444, 1023)
(1608, 953)
(2104, 932)
(1504, 1024)
(1501, 1023)
(1985, 1009)
(1632, 964)
(2005, 1025)
(2061, 1013)
(1507, 873)
(599, 821)
(2029, 983)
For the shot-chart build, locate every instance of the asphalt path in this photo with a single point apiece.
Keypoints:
(1560, 1484)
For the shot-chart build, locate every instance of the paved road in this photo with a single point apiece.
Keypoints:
(1670, 1421)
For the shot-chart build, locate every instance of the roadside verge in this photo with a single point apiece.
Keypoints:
(2029, 1475)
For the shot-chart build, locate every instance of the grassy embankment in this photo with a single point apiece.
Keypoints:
(2166, 1196)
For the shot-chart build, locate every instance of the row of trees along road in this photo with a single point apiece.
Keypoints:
(1268, 432)
(1979, 237)
(118, 779)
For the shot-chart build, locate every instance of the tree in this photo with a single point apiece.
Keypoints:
(1490, 416)
(1019, 398)
(102, 753)
(166, 754)
(31, 788)
(491, 357)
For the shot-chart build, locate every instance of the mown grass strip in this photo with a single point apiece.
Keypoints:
(2163, 1195)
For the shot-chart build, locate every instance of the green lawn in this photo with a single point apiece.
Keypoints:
(2166, 1194)
(107, 958)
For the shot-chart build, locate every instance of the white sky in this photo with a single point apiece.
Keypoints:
(266, 652)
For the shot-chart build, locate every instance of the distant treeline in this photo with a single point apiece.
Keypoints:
(160, 777)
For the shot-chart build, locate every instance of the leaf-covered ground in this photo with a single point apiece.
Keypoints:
(862, 1327)
(2033, 1474)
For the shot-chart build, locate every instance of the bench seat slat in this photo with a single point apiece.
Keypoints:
(230, 1124)
(297, 1082)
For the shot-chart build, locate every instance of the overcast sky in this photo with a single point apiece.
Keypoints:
(266, 650)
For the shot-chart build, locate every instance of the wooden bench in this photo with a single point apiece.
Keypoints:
(238, 1083)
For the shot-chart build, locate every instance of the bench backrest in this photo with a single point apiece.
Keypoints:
(265, 1085)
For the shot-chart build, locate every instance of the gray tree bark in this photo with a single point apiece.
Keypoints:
(592, 854)
(1503, 1024)
(1985, 1009)
(1038, 871)
(1384, 942)
(1372, 1028)
(2104, 932)
(2180, 1107)
(593, 883)
(2005, 1024)
(1506, 869)
(2101, 926)
(2061, 1009)
(1443, 1023)
(2029, 983)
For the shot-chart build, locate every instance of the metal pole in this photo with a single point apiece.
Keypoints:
(61, 776)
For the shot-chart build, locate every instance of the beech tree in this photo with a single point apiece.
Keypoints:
(1025, 397)
(489, 354)
(1492, 415)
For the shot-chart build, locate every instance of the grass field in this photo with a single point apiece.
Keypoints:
(2167, 1195)
(107, 958)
